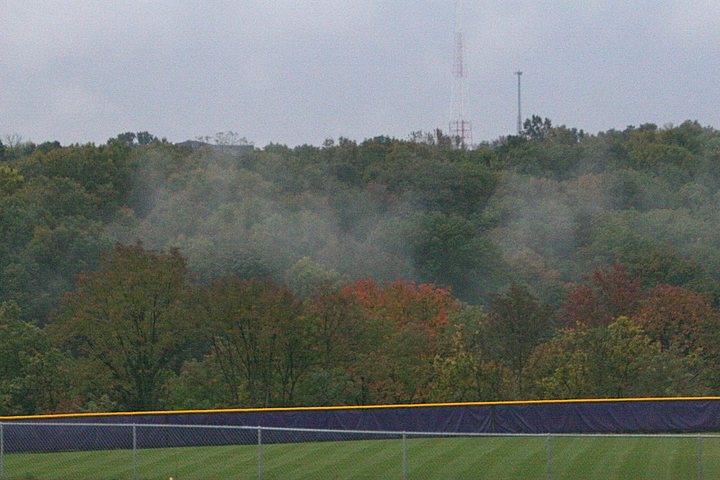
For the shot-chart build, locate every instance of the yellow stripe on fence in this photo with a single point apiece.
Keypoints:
(351, 407)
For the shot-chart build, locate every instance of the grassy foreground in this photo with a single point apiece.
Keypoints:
(434, 458)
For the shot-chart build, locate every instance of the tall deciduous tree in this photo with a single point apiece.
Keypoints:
(336, 320)
(402, 330)
(128, 324)
(518, 323)
(259, 339)
(467, 372)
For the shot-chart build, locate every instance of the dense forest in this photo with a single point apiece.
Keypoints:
(138, 274)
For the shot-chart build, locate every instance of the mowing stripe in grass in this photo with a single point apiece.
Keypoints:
(477, 457)
(456, 456)
(580, 456)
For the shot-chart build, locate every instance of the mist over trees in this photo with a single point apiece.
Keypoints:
(139, 274)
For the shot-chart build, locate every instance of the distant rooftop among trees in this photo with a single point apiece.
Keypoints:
(228, 149)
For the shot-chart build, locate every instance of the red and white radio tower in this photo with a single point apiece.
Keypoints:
(460, 127)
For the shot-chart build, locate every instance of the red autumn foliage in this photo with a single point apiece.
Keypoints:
(606, 294)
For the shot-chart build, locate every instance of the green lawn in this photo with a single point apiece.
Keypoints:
(434, 458)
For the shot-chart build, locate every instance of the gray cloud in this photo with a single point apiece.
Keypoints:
(296, 72)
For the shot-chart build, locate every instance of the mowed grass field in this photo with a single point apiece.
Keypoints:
(427, 458)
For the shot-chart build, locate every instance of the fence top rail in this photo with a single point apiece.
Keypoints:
(360, 407)
(386, 433)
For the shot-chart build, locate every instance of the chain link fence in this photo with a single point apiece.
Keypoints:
(99, 451)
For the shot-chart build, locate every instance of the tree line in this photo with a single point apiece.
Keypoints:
(139, 275)
(141, 334)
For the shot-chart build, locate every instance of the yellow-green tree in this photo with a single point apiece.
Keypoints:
(617, 360)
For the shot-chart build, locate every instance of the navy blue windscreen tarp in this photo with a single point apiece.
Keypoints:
(620, 416)
(651, 416)
(409, 419)
(590, 416)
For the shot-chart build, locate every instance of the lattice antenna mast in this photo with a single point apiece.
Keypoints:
(460, 126)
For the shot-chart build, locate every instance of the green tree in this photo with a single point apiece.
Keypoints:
(446, 250)
(43, 270)
(10, 180)
(467, 372)
(338, 338)
(307, 278)
(259, 338)
(31, 373)
(146, 138)
(517, 324)
(536, 128)
(198, 385)
(129, 323)
(103, 171)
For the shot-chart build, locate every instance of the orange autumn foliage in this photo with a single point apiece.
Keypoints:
(676, 317)
(403, 324)
(405, 302)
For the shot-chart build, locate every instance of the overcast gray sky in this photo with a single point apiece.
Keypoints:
(294, 71)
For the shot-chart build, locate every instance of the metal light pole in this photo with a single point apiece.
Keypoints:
(519, 113)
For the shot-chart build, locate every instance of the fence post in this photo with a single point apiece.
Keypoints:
(136, 475)
(549, 474)
(404, 456)
(699, 458)
(260, 464)
(2, 451)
